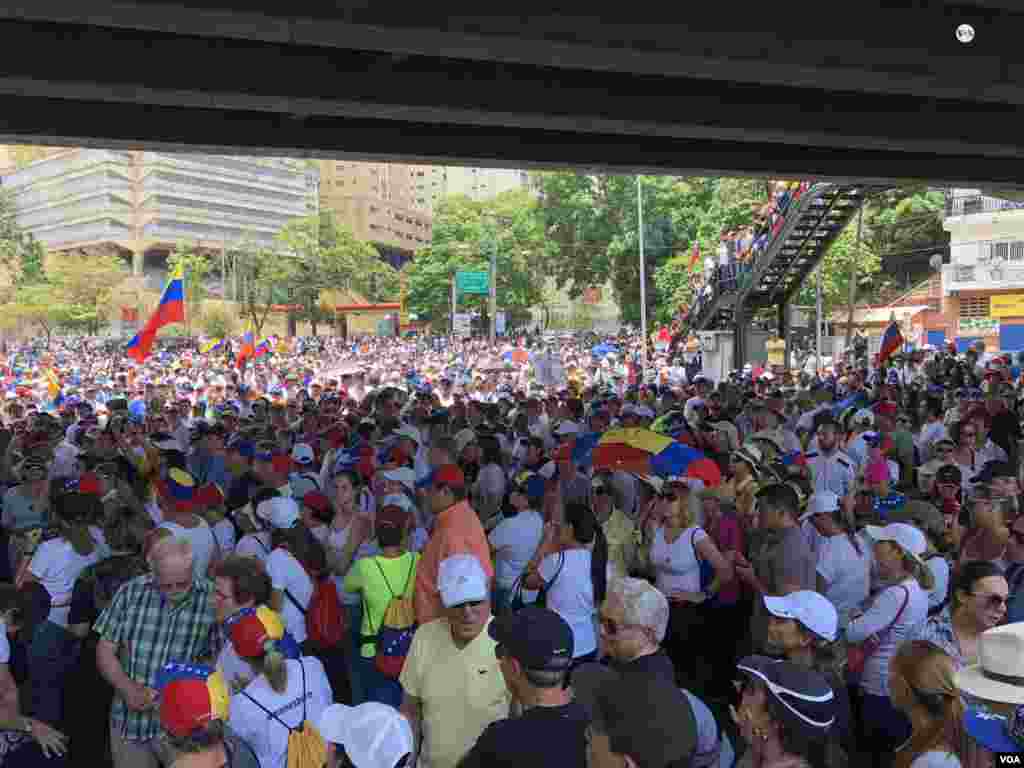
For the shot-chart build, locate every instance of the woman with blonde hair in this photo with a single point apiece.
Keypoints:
(265, 713)
(922, 683)
(677, 550)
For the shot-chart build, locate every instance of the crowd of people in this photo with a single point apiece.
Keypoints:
(396, 553)
(729, 270)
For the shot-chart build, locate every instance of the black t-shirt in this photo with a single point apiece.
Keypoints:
(544, 737)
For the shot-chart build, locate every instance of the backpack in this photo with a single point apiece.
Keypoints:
(326, 621)
(394, 635)
(306, 747)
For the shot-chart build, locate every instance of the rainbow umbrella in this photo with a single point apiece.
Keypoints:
(644, 452)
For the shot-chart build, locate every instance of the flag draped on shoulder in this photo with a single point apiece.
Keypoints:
(211, 346)
(171, 309)
(247, 349)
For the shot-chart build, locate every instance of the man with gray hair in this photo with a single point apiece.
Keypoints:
(634, 619)
(162, 616)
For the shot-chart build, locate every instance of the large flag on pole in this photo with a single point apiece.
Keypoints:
(892, 341)
(171, 309)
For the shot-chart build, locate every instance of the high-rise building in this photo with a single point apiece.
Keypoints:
(434, 182)
(378, 203)
(143, 204)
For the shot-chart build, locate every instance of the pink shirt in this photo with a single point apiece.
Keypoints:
(728, 536)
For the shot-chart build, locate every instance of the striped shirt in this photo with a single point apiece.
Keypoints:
(150, 631)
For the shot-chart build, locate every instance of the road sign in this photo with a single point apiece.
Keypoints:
(472, 282)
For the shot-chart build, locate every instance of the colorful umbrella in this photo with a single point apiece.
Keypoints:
(644, 452)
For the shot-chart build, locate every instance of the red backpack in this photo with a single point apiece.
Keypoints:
(326, 621)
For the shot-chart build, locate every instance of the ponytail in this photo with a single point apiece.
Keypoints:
(273, 667)
(921, 572)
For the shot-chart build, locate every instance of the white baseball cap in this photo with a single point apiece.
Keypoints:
(374, 735)
(396, 500)
(812, 609)
(864, 418)
(280, 511)
(402, 475)
(461, 579)
(302, 454)
(905, 536)
(568, 428)
(822, 502)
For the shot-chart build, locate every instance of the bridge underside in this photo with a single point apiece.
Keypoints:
(800, 89)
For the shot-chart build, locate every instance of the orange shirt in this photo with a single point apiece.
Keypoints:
(457, 531)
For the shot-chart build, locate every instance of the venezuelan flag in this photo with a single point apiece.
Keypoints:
(892, 340)
(246, 349)
(171, 309)
(211, 346)
(263, 348)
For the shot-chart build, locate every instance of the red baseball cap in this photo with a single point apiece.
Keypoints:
(450, 475)
(89, 483)
(316, 500)
(886, 409)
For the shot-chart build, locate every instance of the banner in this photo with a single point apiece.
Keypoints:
(975, 325)
(1006, 305)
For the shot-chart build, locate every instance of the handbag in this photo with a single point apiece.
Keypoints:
(517, 601)
(857, 655)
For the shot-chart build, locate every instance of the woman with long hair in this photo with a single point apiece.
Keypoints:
(678, 549)
(977, 603)
(894, 613)
(572, 566)
(844, 558)
(287, 690)
(922, 682)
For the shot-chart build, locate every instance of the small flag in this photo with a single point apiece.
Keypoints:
(211, 346)
(695, 255)
(52, 383)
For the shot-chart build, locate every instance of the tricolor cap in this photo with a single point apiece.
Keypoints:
(179, 486)
(190, 697)
(256, 631)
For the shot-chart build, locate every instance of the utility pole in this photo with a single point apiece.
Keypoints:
(494, 284)
(643, 273)
(817, 317)
(852, 296)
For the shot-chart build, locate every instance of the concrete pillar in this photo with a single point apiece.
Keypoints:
(740, 321)
(784, 332)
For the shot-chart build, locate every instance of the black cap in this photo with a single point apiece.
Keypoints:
(650, 720)
(540, 639)
(948, 473)
(808, 701)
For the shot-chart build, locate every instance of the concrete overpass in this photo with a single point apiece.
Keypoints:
(797, 89)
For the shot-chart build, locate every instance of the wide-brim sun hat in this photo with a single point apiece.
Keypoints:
(998, 674)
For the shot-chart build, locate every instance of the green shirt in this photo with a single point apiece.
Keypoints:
(149, 631)
(379, 579)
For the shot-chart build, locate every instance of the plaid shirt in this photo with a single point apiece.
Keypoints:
(149, 631)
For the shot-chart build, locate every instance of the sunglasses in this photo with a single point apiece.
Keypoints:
(600, 491)
(991, 601)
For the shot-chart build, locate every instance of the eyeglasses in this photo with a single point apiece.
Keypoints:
(600, 491)
(991, 601)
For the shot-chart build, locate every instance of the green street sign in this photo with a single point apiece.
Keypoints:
(472, 282)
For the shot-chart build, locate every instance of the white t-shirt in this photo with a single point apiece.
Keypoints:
(940, 573)
(268, 737)
(204, 545)
(936, 759)
(57, 566)
(5, 645)
(254, 545)
(847, 575)
(287, 573)
(224, 533)
(676, 566)
(515, 540)
(571, 596)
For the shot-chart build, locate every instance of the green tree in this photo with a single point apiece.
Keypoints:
(263, 277)
(465, 234)
(840, 262)
(42, 305)
(196, 268)
(21, 255)
(84, 284)
(218, 323)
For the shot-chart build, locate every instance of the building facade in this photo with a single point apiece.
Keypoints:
(378, 203)
(434, 182)
(143, 204)
(983, 285)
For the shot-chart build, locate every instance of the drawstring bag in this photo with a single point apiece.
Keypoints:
(394, 636)
(306, 747)
(857, 655)
(517, 600)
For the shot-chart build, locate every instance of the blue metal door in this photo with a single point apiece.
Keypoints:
(1011, 337)
(936, 338)
(963, 343)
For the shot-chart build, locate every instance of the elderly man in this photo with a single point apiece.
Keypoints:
(452, 681)
(156, 618)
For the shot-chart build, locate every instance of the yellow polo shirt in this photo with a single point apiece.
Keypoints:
(461, 689)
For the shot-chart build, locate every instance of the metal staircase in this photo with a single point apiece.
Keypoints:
(811, 224)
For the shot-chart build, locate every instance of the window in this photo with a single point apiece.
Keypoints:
(975, 306)
(963, 274)
(1016, 250)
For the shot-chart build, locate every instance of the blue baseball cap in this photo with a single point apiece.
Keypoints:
(996, 733)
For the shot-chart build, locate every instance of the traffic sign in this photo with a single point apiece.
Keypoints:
(472, 282)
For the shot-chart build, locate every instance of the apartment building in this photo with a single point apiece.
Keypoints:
(983, 285)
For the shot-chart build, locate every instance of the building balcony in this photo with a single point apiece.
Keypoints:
(966, 205)
(991, 276)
